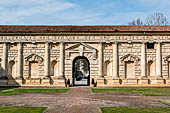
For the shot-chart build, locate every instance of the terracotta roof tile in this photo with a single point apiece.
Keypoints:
(69, 28)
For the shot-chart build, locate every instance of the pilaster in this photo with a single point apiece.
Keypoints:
(61, 60)
(5, 59)
(100, 60)
(20, 61)
(143, 60)
(115, 60)
(158, 60)
(47, 59)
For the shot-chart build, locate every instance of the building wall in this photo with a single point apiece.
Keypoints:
(37, 60)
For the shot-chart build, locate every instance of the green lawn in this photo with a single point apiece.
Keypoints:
(143, 91)
(7, 92)
(22, 109)
(135, 110)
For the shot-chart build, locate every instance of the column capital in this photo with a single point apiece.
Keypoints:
(62, 42)
(20, 42)
(47, 42)
(115, 42)
(100, 42)
(143, 42)
(5, 43)
(159, 42)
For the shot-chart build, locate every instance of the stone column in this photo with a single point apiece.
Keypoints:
(158, 60)
(115, 60)
(5, 59)
(47, 59)
(20, 61)
(100, 68)
(143, 60)
(61, 60)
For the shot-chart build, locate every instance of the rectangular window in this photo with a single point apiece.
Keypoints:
(33, 70)
(150, 45)
(129, 69)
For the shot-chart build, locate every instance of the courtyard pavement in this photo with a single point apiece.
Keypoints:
(81, 100)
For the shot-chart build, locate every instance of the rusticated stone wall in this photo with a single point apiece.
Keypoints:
(47, 60)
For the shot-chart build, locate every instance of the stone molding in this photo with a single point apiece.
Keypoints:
(167, 58)
(130, 57)
(85, 38)
(34, 57)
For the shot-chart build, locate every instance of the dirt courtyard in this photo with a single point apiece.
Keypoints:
(81, 100)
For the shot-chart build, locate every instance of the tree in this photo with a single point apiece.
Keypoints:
(152, 19)
(156, 19)
(136, 22)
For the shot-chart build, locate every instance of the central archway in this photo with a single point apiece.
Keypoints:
(81, 71)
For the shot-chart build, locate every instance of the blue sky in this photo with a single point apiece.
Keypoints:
(78, 12)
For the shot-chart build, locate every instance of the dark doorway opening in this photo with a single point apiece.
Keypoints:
(81, 71)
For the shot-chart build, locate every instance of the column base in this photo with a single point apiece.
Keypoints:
(116, 81)
(115, 77)
(168, 81)
(58, 81)
(12, 82)
(3, 82)
(32, 81)
(100, 81)
(45, 81)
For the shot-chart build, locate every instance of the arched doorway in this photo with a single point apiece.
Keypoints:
(81, 71)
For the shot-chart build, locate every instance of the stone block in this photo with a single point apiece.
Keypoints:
(61, 82)
(58, 81)
(168, 81)
(45, 81)
(33, 81)
(3, 82)
(108, 81)
(152, 81)
(116, 82)
(161, 82)
(14, 83)
(129, 81)
(144, 81)
(100, 82)
(19, 81)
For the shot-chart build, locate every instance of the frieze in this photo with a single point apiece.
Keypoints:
(82, 38)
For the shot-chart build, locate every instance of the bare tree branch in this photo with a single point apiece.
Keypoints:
(152, 19)
(156, 19)
(136, 22)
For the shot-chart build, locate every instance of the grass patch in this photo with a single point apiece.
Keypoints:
(165, 101)
(22, 109)
(8, 92)
(143, 91)
(135, 110)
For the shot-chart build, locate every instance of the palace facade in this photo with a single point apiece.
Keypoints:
(85, 55)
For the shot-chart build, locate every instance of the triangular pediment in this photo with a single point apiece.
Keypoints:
(130, 57)
(34, 57)
(167, 58)
(76, 47)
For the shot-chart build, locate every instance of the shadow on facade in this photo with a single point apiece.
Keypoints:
(6, 80)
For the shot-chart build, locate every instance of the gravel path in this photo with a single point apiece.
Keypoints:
(81, 100)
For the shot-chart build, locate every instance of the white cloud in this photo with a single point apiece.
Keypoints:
(13, 11)
(64, 12)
